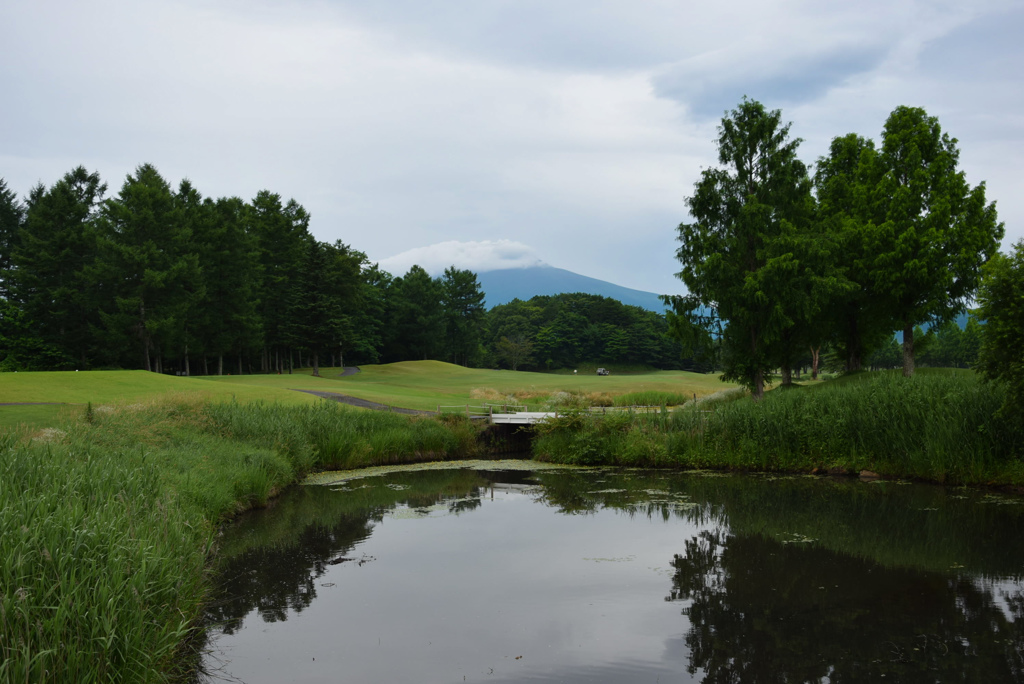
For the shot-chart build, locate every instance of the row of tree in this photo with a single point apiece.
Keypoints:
(163, 279)
(779, 262)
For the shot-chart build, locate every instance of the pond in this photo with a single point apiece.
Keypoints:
(516, 571)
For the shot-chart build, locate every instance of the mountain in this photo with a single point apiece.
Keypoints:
(502, 286)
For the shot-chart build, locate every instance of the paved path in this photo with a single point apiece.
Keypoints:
(348, 370)
(363, 403)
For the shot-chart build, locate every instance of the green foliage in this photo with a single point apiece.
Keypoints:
(12, 213)
(941, 426)
(743, 254)
(463, 304)
(1001, 300)
(575, 331)
(931, 231)
(52, 258)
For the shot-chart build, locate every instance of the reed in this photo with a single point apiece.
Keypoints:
(107, 522)
(943, 427)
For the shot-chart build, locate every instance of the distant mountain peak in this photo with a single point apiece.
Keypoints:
(503, 285)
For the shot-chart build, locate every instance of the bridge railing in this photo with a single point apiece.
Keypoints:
(467, 410)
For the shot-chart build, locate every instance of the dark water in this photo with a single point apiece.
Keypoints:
(622, 576)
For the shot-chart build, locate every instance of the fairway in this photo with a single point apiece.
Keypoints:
(120, 387)
(410, 384)
(427, 384)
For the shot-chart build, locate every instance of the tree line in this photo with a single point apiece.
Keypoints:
(565, 330)
(165, 279)
(781, 263)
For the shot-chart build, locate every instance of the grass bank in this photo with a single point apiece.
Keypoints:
(938, 426)
(107, 520)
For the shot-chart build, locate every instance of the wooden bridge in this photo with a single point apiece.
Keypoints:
(504, 414)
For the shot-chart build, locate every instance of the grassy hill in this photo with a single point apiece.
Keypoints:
(411, 384)
(427, 384)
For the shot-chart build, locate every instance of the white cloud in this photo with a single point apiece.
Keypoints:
(479, 257)
(577, 127)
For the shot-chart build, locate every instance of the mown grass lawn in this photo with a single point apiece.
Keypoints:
(427, 384)
(411, 384)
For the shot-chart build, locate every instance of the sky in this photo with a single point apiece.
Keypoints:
(491, 134)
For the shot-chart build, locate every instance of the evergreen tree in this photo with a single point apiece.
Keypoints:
(314, 320)
(738, 255)
(52, 260)
(282, 237)
(12, 213)
(145, 260)
(415, 317)
(463, 305)
(228, 321)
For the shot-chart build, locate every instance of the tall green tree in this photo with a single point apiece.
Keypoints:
(12, 213)
(415, 317)
(228, 320)
(315, 317)
(930, 231)
(51, 260)
(855, 321)
(737, 256)
(463, 303)
(146, 261)
(282, 237)
(1001, 306)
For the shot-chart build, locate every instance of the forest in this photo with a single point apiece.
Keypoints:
(171, 281)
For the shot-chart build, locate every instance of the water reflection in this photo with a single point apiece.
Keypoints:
(763, 611)
(767, 580)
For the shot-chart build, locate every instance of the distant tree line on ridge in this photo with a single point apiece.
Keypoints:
(164, 279)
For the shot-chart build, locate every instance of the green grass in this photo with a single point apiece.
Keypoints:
(420, 385)
(427, 384)
(941, 426)
(106, 522)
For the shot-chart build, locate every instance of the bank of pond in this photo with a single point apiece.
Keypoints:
(109, 522)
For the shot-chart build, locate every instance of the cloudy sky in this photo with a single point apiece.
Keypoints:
(491, 132)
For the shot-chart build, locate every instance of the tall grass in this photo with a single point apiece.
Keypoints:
(653, 398)
(106, 524)
(100, 571)
(942, 427)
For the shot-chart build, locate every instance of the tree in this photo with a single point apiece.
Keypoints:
(930, 232)
(146, 261)
(853, 321)
(1001, 306)
(415, 318)
(282, 237)
(228, 320)
(315, 318)
(12, 213)
(463, 304)
(737, 256)
(514, 350)
(51, 260)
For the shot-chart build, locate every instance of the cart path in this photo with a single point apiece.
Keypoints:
(363, 403)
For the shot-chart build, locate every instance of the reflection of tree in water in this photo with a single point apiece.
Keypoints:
(272, 560)
(763, 611)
